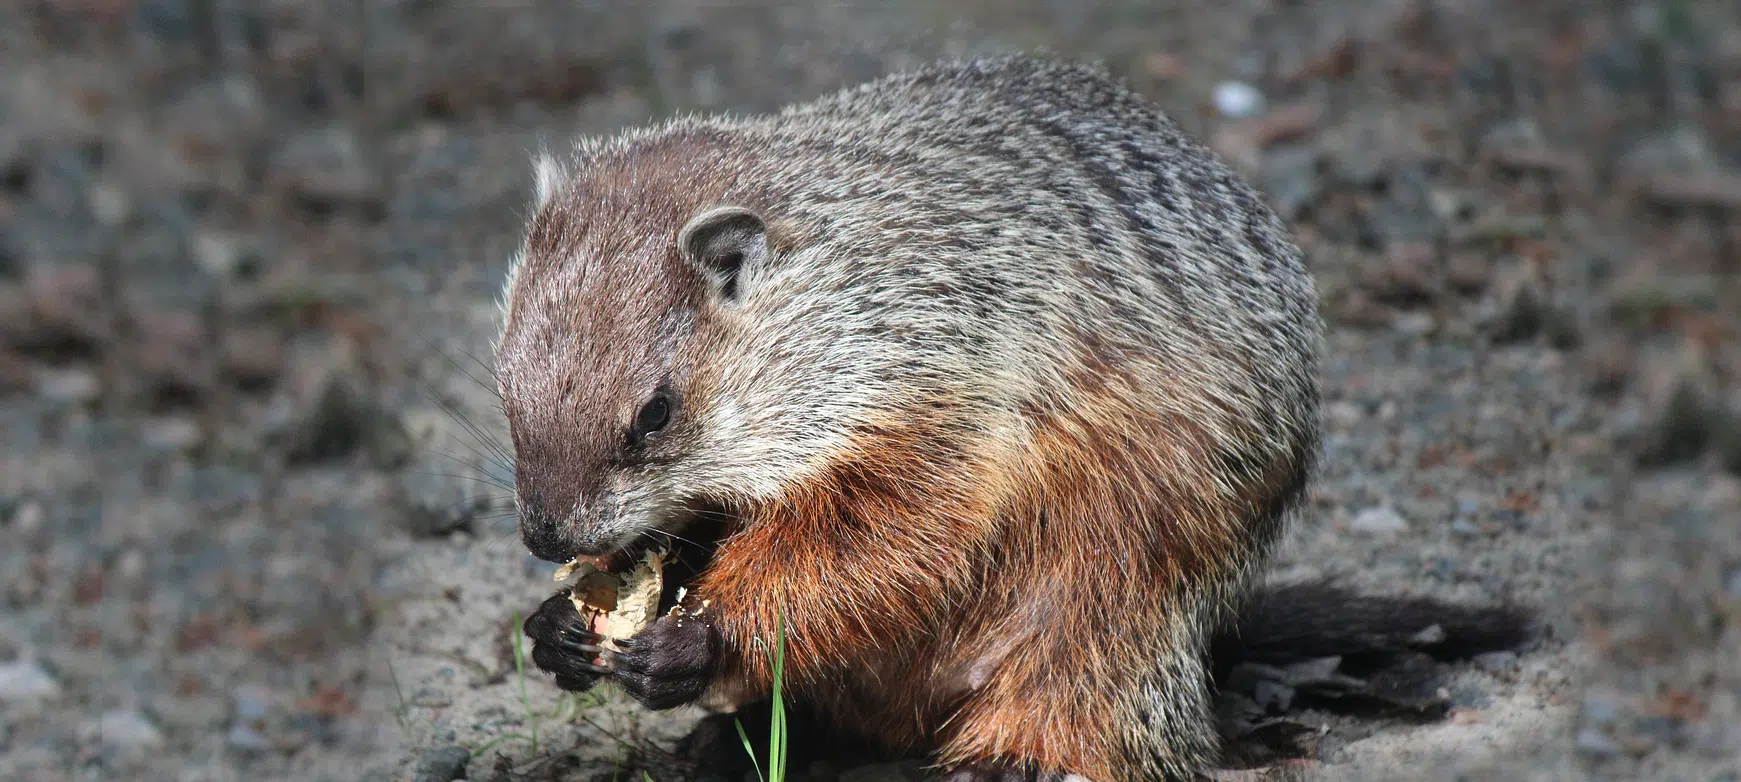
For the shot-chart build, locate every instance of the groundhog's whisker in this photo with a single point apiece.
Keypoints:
(480, 472)
(484, 478)
(494, 391)
(500, 456)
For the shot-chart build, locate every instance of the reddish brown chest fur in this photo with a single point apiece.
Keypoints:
(996, 601)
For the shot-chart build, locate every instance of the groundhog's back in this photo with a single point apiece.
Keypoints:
(996, 233)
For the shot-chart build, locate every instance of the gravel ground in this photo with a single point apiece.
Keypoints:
(252, 521)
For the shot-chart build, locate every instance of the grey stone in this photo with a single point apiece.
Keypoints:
(442, 764)
(1684, 148)
(431, 698)
(251, 702)
(328, 166)
(1592, 741)
(247, 739)
(23, 681)
(1379, 520)
(1601, 707)
(1431, 635)
(1237, 100)
(1657, 730)
(1276, 694)
(1496, 662)
(192, 713)
(125, 729)
(69, 386)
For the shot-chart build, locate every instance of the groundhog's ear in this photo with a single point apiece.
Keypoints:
(722, 242)
(547, 176)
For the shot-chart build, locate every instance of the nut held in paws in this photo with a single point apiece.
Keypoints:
(617, 606)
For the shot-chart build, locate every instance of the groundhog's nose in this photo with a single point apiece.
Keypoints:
(559, 538)
(543, 534)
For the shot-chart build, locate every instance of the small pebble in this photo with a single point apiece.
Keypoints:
(1601, 707)
(1496, 662)
(1237, 100)
(68, 386)
(1345, 414)
(171, 434)
(1591, 741)
(110, 204)
(1378, 520)
(23, 681)
(220, 255)
(443, 764)
(126, 729)
(29, 517)
(131, 565)
(1414, 323)
(247, 739)
(1433, 634)
(328, 166)
(1734, 585)
(251, 702)
(1658, 730)
(431, 698)
(201, 714)
(1273, 694)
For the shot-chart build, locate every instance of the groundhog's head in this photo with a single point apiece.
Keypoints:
(615, 319)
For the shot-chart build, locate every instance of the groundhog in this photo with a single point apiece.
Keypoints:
(985, 383)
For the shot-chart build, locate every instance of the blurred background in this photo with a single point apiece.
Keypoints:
(250, 481)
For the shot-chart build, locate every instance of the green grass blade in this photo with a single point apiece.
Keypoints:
(402, 711)
(745, 738)
(777, 728)
(520, 672)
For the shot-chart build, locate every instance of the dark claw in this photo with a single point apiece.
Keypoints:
(668, 664)
(563, 646)
(567, 641)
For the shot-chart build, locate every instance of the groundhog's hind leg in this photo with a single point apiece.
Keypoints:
(1131, 705)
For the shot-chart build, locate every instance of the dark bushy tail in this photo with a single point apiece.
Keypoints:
(1316, 646)
(1297, 622)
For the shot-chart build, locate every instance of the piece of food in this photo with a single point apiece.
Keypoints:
(617, 606)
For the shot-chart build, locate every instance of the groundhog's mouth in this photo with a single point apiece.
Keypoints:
(688, 546)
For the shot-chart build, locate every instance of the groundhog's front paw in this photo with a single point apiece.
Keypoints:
(668, 664)
(562, 644)
(1001, 772)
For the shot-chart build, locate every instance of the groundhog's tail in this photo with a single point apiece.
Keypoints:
(1296, 622)
(1320, 646)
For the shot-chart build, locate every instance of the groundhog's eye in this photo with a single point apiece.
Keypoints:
(652, 417)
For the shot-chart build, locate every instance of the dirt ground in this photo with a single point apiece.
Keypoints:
(253, 516)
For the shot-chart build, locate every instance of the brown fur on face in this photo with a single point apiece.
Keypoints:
(600, 319)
